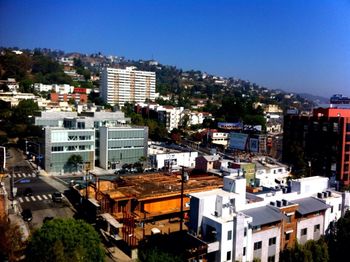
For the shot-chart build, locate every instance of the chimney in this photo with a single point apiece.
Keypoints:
(324, 194)
(329, 193)
(284, 202)
(278, 203)
(272, 203)
(319, 195)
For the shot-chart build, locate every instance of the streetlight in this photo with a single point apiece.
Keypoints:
(38, 154)
(184, 179)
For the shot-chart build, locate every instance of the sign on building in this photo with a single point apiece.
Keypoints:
(238, 141)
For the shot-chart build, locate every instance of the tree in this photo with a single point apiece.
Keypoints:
(338, 238)
(175, 135)
(313, 251)
(65, 240)
(74, 161)
(24, 109)
(159, 248)
(11, 240)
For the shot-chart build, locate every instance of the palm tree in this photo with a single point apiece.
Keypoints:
(75, 160)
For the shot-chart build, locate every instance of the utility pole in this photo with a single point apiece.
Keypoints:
(184, 178)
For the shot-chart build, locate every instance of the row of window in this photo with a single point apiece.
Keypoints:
(70, 148)
(258, 245)
(78, 138)
(303, 231)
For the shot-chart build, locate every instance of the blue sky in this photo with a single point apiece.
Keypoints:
(296, 45)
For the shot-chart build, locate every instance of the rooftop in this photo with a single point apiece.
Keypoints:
(263, 215)
(157, 185)
(310, 205)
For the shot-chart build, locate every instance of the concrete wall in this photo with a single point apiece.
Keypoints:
(266, 250)
(309, 224)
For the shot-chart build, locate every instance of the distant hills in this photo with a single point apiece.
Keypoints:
(316, 99)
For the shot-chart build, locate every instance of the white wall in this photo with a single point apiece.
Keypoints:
(309, 223)
(266, 250)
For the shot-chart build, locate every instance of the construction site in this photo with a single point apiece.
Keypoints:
(145, 204)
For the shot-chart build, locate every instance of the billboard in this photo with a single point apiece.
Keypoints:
(238, 141)
(230, 126)
(254, 145)
(255, 128)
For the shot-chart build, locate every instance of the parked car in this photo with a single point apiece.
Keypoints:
(28, 192)
(57, 197)
(27, 215)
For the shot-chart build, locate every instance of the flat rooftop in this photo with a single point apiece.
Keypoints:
(158, 185)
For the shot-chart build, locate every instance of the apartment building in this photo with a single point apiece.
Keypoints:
(100, 138)
(60, 89)
(240, 226)
(127, 85)
(325, 140)
(170, 116)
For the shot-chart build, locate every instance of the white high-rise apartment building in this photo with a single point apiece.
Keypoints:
(127, 85)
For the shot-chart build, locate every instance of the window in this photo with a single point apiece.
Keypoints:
(57, 148)
(287, 236)
(228, 255)
(271, 258)
(245, 231)
(229, 235)
(257, 245)
(244, 251)
(272, 241)
(331, 209)
(339, 207)
(289, 218)
(304, 232)
(317, 228)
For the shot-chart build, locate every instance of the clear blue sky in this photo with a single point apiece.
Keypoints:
(296, 45)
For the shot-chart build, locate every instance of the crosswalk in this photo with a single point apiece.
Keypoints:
(23, 175)
(35, 198)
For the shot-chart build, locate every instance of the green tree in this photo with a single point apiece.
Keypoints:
(295, 254)
(338, 238)
(65, 240)
(313, 251)
(75, 161)
(24, 109)
(158, 248)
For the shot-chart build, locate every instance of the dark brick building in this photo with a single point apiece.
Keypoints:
(323, 140)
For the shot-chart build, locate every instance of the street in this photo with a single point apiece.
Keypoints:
(34, 191)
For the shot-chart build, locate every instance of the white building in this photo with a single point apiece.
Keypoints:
(60, 89)
(196, 118)
(127, 85)
(14, 98)
(170, 116)
(268, 171)
(218, 138)
(170, 158)
(241, 226)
